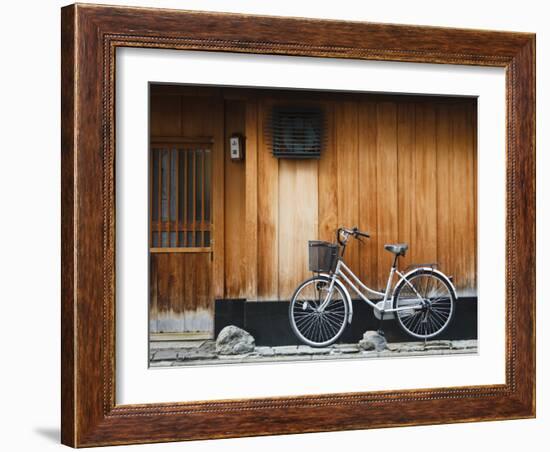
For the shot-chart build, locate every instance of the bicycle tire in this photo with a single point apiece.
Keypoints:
(431, 321)
(313, 328)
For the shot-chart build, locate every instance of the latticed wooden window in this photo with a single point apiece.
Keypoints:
(180, 196)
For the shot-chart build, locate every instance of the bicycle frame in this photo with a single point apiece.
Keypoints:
(343, 272)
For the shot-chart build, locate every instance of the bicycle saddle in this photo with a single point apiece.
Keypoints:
(398, 248)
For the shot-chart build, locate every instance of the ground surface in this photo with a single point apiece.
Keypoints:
(184, 353)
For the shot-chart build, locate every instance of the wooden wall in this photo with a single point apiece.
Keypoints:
(401, 168)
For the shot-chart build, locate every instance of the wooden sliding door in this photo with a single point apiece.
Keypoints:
(181, 236)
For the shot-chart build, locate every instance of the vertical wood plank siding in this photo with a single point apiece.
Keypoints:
(402, 169)
(328, 180)
(237, 238)
(406, 137)
(347, 152)
(387, 182)
(250, 251)
(368, 192)
(268, 213)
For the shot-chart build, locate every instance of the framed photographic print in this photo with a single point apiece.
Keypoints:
(279, 225)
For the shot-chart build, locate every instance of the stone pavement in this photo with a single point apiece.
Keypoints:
(185, 353)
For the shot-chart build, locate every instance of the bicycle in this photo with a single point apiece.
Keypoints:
(423, 299)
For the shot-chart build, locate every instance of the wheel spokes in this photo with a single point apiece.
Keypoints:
(315, 326)
(435, 315)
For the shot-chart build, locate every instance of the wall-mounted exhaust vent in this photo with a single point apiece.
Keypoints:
(296, 132)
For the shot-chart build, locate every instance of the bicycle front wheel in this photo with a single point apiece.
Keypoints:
(425, 304)
(312, 325)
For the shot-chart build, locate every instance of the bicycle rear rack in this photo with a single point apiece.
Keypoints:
(432, 265)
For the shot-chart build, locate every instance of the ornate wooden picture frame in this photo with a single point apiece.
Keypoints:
(90, 37)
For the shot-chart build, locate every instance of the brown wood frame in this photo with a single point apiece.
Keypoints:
(90, 35)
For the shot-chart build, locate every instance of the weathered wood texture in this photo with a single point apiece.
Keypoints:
(181, 293)
(236, 240)
(398, 167)
(401, 169)
(184, 282)
(91, 34)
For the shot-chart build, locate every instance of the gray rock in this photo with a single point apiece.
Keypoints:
(373, 341)
(234, 341)
(242, 347)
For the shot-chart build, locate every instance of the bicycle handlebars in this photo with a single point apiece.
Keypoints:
(354, 232)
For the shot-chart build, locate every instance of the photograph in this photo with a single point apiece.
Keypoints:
(310, 225)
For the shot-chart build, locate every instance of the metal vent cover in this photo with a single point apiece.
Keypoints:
(296, 132)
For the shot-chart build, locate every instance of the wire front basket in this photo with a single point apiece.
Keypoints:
(322, 256)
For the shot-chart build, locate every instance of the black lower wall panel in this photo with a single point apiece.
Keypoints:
(268, 322)
(228, 312)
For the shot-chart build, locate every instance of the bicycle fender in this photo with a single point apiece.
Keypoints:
(346, 293)
(432, 270)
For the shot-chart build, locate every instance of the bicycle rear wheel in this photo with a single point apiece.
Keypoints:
(311, 325)
(437, 308)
